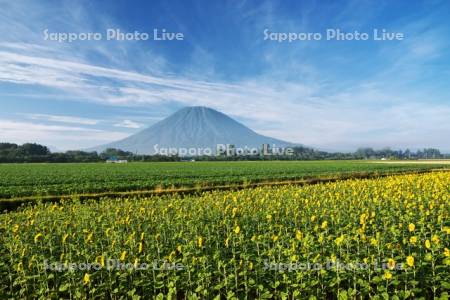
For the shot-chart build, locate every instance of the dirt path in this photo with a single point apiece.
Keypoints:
(426, 162)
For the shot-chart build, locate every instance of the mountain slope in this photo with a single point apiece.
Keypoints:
(192, 127)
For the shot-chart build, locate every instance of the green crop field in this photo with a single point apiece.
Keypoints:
(18, 180)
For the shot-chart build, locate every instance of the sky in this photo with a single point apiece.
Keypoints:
(330, 94)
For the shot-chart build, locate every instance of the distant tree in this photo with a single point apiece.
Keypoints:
(113, 152)
(29, 152)
(33, 149)
(365, 153)
(407, 154)
(431, 153)
(82, 156)
(8, 146)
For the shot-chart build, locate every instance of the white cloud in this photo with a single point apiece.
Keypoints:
(132, 88)
(62, 137)
(62, 119)
(128, 124)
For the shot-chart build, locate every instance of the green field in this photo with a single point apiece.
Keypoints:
(384, 238)
(19, 180)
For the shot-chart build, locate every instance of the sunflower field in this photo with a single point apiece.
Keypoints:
(386, 238)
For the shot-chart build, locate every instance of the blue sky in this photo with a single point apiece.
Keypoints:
(333, 95)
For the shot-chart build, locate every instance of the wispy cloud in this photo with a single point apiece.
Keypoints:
(128, 124)
(62, 119)
(64, 137)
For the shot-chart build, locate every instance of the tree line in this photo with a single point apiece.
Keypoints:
(31, 152)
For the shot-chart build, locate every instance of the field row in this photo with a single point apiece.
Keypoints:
(19, 180)
(356, 238)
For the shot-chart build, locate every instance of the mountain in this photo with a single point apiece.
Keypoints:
(192, 127)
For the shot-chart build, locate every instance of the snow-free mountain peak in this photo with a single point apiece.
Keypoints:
(192, 127)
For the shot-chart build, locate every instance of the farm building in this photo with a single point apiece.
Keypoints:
(115, 160)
